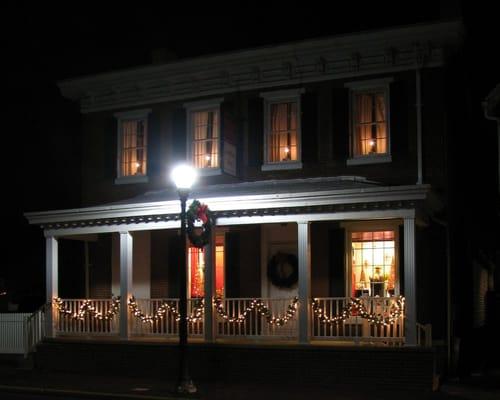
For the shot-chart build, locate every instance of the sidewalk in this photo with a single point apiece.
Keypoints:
(27, 380)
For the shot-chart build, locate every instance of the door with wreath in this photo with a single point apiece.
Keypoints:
(280, 284)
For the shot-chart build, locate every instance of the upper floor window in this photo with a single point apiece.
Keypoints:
(369, 122)
(282, 130)
(204, 135)
(132, 146)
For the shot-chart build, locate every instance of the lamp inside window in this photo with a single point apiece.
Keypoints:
(373, 263)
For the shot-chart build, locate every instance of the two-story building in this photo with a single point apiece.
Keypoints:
(323, 163)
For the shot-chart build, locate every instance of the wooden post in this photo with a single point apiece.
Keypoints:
(304, 258)
(209, 255)
(410, 282)
(126, 257)
(52, 283)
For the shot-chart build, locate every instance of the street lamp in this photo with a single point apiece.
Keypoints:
(183, 177)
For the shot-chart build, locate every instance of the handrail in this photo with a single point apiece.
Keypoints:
(34, 329)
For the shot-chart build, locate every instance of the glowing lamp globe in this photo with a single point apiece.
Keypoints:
(183, 176)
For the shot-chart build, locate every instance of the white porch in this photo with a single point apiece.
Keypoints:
(306, 319)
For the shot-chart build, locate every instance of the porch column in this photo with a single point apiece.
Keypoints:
(304, 258)
(410, 282)
(209, 255)
(52, 282)
(125, 282)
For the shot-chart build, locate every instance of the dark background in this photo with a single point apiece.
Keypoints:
(47, 44)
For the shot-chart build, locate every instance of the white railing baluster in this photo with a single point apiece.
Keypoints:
(355, 327)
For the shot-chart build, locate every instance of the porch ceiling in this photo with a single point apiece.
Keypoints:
(262, 198)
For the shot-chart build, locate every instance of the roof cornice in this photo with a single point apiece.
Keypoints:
(320, 201)
(358, 54)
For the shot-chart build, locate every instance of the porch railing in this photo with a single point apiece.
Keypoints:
(255, 318)
(367, 319)
(371, 319)
(87, 317)
(34, 329)
(168, 325)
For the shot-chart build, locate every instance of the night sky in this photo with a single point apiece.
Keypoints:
(44, 45)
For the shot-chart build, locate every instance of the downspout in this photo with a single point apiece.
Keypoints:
(418, 106)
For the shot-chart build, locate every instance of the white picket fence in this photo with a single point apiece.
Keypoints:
(12, 333)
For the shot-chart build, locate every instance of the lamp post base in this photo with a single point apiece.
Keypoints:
(186, 387)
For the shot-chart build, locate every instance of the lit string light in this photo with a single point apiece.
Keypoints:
(196, 315)
(88, 309)
(356, 308)
(261, 308)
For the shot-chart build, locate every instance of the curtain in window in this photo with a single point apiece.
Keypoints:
(282, 141)
(370, 124)
(205, 139)
(133, 148)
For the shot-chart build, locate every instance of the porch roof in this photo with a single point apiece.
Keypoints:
(248, 199)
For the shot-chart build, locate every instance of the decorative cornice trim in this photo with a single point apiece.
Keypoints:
(256, 205)
(352, 55)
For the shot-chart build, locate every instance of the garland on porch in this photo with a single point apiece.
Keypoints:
(196, 315)
(356, 308)
(201, 212)
(262, 309)
(88, 309)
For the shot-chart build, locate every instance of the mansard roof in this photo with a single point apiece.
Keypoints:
(343, 56)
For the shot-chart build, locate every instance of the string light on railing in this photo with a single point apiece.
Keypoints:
(356, 308)
(164, 308)
(87, 308)
(261, 308)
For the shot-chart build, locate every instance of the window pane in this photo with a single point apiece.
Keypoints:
(133, 147)
(282, 140)
(205, 139)
(369, 124)
(373, 263)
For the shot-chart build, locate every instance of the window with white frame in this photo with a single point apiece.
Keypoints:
(373, 260)
(282, 129)
(370, 139)
(204, 134)
(132, 146)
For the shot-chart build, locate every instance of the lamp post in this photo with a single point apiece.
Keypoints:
(183, 177)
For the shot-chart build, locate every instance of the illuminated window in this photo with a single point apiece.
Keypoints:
(370, 139)
(282, 131)
(205, 125)
(132, 146)
(204, 135)
(373, 263)
(196, 267)
(282, 138)
(370, 123)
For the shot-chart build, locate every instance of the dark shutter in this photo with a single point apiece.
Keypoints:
(71, 269)
(309, 104)
(175, 249)
(232, 254)
(255, 131)
(340, 123)
(159, 264)
(179, 135)
(337, 262)
(401, 260)
(100, 270)
(229, 137)
(249, 262)
(400, 127)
